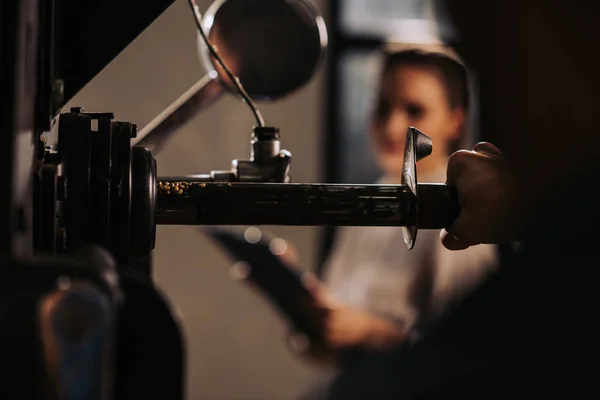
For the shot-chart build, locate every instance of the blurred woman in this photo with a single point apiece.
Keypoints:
(378, 294)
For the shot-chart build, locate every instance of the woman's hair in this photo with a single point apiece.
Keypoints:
(453, 73)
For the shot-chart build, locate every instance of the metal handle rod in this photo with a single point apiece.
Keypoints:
(200, 95)
(190, 202)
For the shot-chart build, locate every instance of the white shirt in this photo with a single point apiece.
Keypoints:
(370, 269)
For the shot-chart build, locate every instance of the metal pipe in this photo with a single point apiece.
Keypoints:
(193, 202)
(200, 95)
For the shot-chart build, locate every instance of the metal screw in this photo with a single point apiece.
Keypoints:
(77, 110)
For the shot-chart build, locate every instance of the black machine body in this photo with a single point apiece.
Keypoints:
(81, 316)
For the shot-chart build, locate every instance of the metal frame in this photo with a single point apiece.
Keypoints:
(40, 291)
(18, 81)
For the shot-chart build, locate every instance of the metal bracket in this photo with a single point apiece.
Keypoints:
(418, 146)
(267, 163)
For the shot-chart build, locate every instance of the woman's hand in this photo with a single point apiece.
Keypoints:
(343, 328)
(350, 328)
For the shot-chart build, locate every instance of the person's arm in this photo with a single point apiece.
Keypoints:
(349, 327)
(344, 328)
(383, 334)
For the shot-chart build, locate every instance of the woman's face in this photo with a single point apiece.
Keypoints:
(413, 96)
